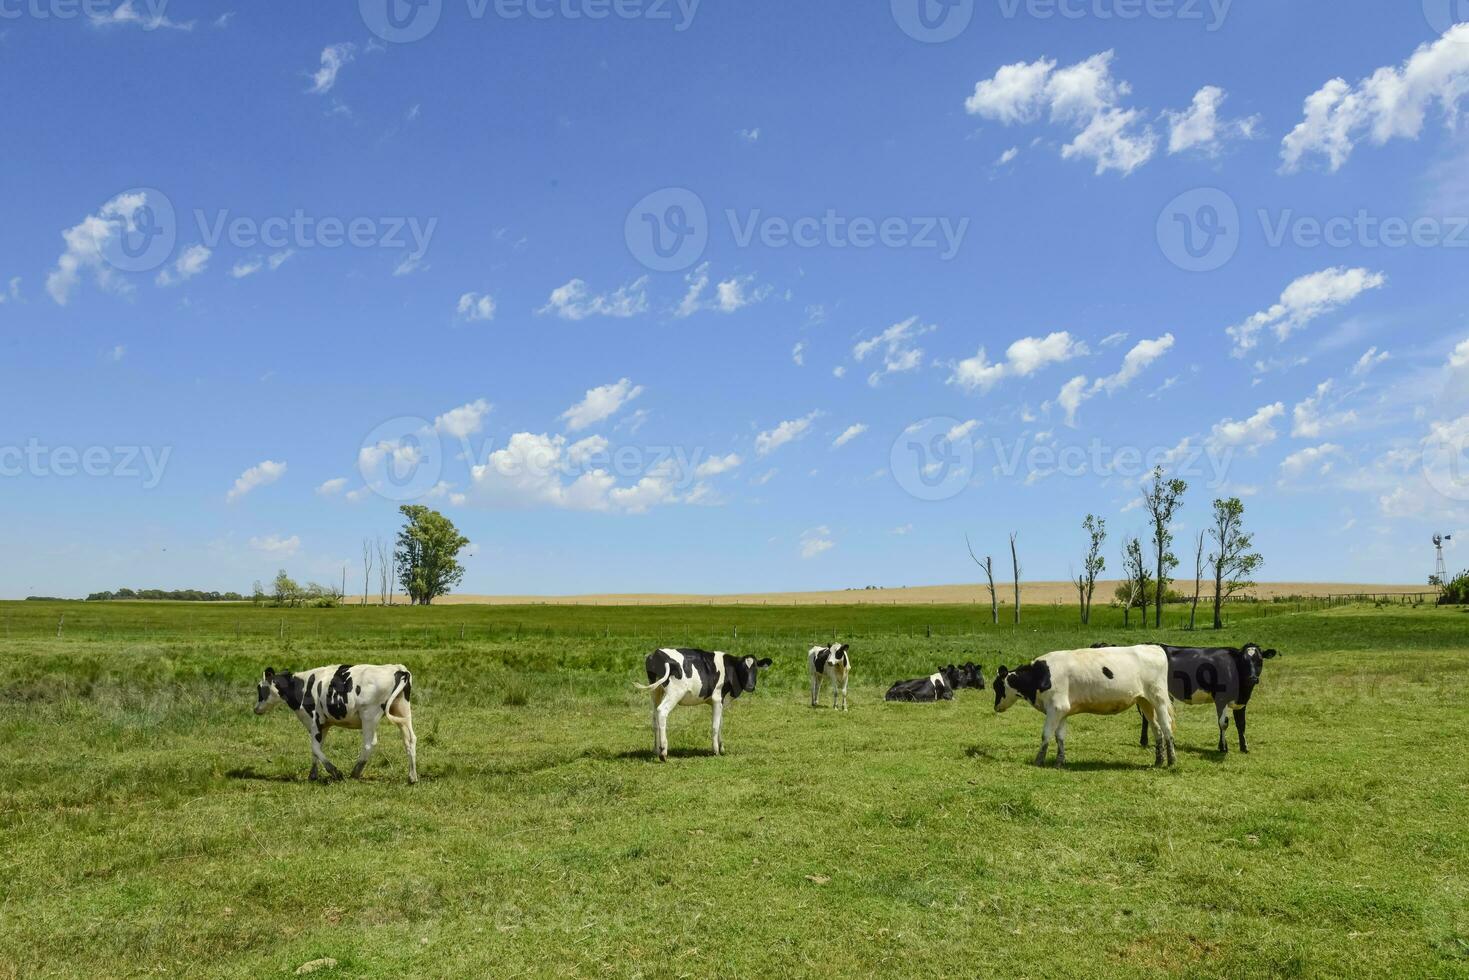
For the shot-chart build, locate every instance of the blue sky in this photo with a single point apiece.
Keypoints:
(270, 270)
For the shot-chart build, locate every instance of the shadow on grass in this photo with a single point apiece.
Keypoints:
(1208, 755)
(265, 777)
(646, 755)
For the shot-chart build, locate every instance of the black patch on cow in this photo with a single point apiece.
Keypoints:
(1107, 673)
(290, 688)
(921, 690)
(401, 678)
(1031, 680)
(359, 690)
(822, 658)
(839, 653)
(336, 694)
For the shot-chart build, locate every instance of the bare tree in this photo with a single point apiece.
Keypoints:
(1015, 563)
(1136, 569)
(1092, 565)
(366, 570)
(385, 564)
(1233, 560)
(1193, 611)
(989, 573)
(1162, 501)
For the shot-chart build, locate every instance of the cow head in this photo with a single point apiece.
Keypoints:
(1252, 663)
(267, 696)
(839, 652)
(1028, 682)
(968, 675)
(747, 670)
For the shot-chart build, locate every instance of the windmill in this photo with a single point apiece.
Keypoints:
(1440, 570)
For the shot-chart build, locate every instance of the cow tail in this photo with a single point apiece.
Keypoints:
(405, 683)
(667, 669)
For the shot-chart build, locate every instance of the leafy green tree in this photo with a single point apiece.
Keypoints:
(428, 554)
(1133, 593)
(1162, 500)
(286, 591)
(1092, 565)
(1233, 559)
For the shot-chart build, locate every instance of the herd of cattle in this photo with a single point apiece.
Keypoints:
(1100, 680)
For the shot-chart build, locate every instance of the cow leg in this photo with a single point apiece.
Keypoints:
(1239, 723)
(815, 689)
(657, 739)
(370, 719)
(410, 739)
(1046, 733)
(1150, 715)
(1061, 743)
(1163, 718)
(1220, 708)
(844, 690)
(1144, 740)
(719, 726)
(318, 757)
(665, 708)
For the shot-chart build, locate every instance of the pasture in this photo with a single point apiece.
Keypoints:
(152, 825)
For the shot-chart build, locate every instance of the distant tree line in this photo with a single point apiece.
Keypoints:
(175, 595)
(1455, 592)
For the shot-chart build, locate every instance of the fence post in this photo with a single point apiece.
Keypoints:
(60, 623)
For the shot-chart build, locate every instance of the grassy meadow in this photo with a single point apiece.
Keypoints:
(150, 824)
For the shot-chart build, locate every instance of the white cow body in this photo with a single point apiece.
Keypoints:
(1098, 681)
(344, 696)
(832, 664)
(686, 676)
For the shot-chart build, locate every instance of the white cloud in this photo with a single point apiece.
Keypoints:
(900, 353)
(191, 261)
(1304, 300)
(1459, 358)
(600, 403)
(1392, 103)
(247, 267)
(1023, 358)
(963, 430)
(117, 353)
(545, 471)
(476, 307)
(1137, 360)
(1008, 156)
(1368, 361)
(730, 296)
(333, 58)
(851, 432)
(1199, 127)
(127, 14)
(903, 529)
(1248, 434)
(1313, 417)
(88, 242)
(262, 474)
(409, 264)
(276, 546)
(749, 135)
(798, 354)
(332, 487)
(840, 371)
(768, 442)
(1313, 461)
(1073, 393)
(764, 478)
(816, 541)
(464, 421)
(574, 301)
(1113, 339)
(1084, 97)
(715, 465)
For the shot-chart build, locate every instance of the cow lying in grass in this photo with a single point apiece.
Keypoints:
(938, 686)
(1222, 676)
(696, 677)
(833, 665)
(1098, 681)
(343, 696)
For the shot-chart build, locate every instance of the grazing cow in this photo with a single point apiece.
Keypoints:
(938, 686)
(1222, 676)
(833, 665)
(341, 696)
(1098, 681)
(696, 677)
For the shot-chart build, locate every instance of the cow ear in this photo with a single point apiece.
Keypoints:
(1268, 654)
(269, 673)
(1002, 672)
(764, 664)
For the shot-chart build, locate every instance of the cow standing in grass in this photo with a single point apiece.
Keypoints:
(833, 665)
(343, 696)
(1222, 676)
(677, 676)
(1099, 681)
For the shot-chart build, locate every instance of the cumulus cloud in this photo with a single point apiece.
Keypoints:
(1008, 156)
(771, 440)
(715, 465)
(88, 243)
(548, 471)
(730, 295)
(333, 58)
(600, 403)
(1369, 361)
(848, 434)
(1199, 127)
(262, 474)
(1391, 103)
(1248, 434)
(1304, 300)
(1083, 97)
(475, 307)
(1313, 461)
(963, 430)
(900, 353)
(191, 261)
(816, 541)
(464, 421)
(1023, 358)
(1315, 415)
(574, 301)
(332, 487)
(276, 546)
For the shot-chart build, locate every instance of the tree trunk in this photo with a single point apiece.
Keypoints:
(1218, 597)
(1015, 564)
(989, 572)
(1198, 581)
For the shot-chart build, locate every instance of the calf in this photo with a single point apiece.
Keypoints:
(1222, 676)
(833, 665)
(696, 677)
(341, 696)
(938, 686)
(1098, 681)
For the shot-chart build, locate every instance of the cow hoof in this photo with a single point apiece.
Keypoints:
(357, 770)
(412, 780)
(314, 777)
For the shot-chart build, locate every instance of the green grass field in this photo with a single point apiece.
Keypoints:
(152, 825)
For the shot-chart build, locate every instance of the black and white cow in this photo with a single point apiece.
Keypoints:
(1098, 681)
(941, 685)
(342, 696)
(833, 665)
(696, 677)
(1222, 676)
